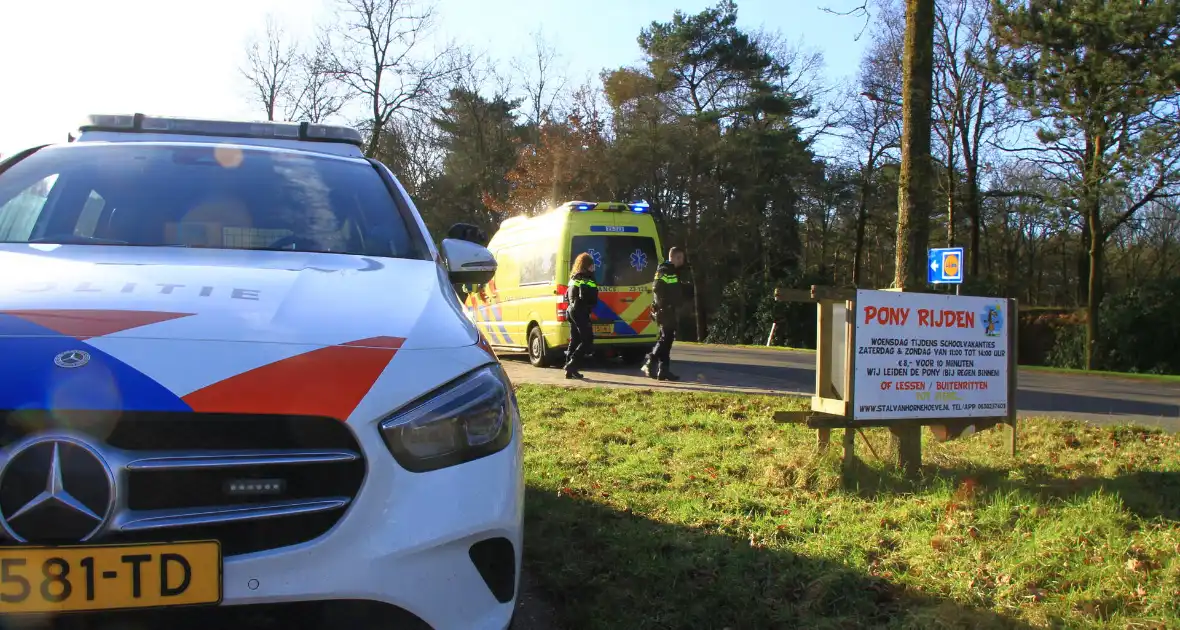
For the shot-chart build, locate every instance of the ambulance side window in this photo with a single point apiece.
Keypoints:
(537, 262)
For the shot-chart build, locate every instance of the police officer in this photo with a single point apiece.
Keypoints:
(670, 292)
(583, 297)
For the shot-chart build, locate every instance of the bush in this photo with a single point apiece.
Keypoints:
(748, 310)
(1138, 332)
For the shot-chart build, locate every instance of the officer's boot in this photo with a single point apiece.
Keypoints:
(664, 373)
(648, 366)
(571, 370)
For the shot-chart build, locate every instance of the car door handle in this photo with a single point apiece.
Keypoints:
(627, 300)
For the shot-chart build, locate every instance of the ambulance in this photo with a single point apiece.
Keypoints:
(523, 308)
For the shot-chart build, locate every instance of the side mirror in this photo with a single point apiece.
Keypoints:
(467, 262)
(468, 232)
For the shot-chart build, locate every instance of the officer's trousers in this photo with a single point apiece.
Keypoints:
(581, 339)
(663, 349)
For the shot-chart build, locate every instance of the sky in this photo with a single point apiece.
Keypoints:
(62, 60)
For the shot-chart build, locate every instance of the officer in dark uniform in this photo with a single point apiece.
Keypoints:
(583, 297)
(670, 292)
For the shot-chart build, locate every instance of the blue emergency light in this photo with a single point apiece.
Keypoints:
(639, 206)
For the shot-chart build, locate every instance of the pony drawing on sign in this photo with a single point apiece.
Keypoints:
(993, 321)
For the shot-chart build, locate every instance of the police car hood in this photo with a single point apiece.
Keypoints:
(103, 294)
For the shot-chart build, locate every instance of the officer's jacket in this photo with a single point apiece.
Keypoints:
(583, 294)
(669, 288)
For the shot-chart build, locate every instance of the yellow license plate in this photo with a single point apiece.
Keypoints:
(604, 329)
(70, 579)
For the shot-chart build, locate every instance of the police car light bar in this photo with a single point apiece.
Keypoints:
(139, 123)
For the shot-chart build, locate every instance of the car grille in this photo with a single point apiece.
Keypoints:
(251, 482)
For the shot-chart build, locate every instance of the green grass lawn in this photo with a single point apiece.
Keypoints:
(747, 345)
(681, 510)
(1159, 378)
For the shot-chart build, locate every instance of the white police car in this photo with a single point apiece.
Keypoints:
(236, 384)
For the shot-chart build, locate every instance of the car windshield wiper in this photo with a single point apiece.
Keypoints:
(75, 239)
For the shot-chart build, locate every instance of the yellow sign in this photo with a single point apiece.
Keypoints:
(604, 329)
(950, 265)
(71, 579)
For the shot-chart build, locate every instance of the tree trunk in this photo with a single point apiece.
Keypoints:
(862, 217)
(1082, 264)
(1093, 283)
(950, 206)
(971, 202)
(914, 203)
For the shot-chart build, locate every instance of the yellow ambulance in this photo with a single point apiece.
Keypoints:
(523, 309)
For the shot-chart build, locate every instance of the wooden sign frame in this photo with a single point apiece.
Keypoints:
(832, 405)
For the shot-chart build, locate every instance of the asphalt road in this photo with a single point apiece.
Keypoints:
(1099, 399)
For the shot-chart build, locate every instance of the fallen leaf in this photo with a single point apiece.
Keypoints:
(1134, 565)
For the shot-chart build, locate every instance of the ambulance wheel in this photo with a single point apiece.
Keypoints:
(539, 353)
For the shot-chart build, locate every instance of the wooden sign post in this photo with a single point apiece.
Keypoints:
(945, 362)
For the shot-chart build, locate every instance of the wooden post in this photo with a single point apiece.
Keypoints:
(907, 439)
(849, 352)
(823, 351)
(825, 438)
(1013, 324)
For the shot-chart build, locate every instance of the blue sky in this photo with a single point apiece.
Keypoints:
(64, 59)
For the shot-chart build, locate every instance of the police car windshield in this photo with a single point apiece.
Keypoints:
(227, 197)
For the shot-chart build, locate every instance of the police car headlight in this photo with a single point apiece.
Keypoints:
(466, 419)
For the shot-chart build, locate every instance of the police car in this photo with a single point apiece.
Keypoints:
(236, 384)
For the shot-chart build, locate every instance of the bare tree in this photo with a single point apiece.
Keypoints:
(269, 65)
(805, 77)
(314, 91)
(378, 53)
(543, 84)
(970, 107)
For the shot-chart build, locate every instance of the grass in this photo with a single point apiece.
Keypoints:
(1158, 378)
(747, 345)
(684, 510)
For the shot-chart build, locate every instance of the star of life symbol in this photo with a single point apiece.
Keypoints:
(72, 359)
(596, 256)
(639, 260)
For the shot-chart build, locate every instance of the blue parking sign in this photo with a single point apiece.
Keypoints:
(945, 265)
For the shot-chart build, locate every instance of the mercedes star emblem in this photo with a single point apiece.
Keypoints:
(72, 359)
(55, 490)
